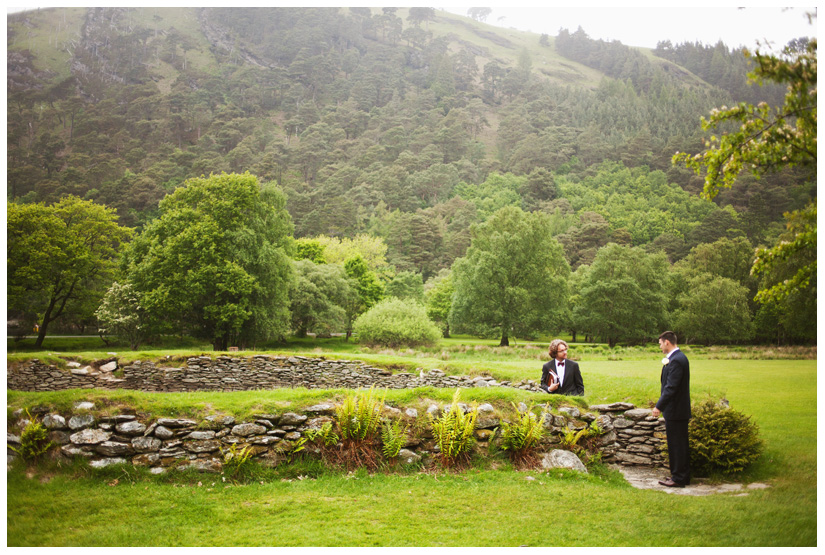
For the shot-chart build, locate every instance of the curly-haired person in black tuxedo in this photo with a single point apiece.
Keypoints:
(561, 376)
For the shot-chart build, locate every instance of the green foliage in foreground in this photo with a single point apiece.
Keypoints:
(722, 439)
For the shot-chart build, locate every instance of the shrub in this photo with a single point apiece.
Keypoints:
(453, 432)
(521, 438)
(396, 322)
(33, 440)
(721, 439)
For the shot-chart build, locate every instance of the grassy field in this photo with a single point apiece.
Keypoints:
(491, 505)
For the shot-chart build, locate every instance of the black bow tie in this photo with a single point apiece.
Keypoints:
(561, 364)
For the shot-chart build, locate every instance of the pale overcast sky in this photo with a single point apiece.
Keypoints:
(645, 24)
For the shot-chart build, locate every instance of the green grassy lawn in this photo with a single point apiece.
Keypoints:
(491, 505)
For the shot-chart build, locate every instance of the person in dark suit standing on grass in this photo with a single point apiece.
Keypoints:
(560, 375)
(674, 405)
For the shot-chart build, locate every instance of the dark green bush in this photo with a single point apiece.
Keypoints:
(395, 323)
(722, 440)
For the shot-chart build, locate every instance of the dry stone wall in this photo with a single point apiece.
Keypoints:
(631, 436)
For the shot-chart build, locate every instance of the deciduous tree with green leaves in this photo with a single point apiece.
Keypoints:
(513, 279)
(60, 256)
(769, 139)
(623, 296)
(216, 261)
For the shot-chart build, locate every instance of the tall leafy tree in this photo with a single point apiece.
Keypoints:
(368, 289)
(513, 279)
(317, 299)
(714, 311)
(216, 261)
(60, 257)
(623, 294)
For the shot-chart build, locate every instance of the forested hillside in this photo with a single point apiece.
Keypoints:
(409, 125)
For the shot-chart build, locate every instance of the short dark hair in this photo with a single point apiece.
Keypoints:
(668, 336)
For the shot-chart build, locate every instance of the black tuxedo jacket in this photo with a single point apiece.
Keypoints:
(573, 383)
(674, 400)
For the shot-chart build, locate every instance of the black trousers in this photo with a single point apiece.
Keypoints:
(678, 451)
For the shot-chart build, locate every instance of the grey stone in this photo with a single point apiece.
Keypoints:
(486, 407)
(114, 449)
(412, 413)
(146, 459)
(59, 437)
(208, 434)
(247, 429)
(572, 412)
(145, 444)
(90, 436)
(81, 371)
(13, 439)
(292, 419)
(408, 457)
(123, 418)
(487, 422)
(157, 470)
(54, 422)
(73, 364)
(637, 414)
(613, 407)
(323, 408)
(109, 366)
(622, 423)
(107, 462)
(522, 407)
(559, 458)
(607, 438)
(433, 410)
(132, 428)
(72, 451)
(175, 422)
(480, 383)
(293, 436)
(163, 432)
(201, 446)
(604, 423)
(80, 421)
(228, 420)
(204, 465)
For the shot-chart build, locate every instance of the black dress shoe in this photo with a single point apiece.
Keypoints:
(670, 483)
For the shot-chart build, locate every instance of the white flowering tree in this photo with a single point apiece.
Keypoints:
(121, 315)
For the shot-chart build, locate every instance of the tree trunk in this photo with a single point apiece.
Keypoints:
(220, 343)
(47, 318)
(505, 341)
(573, 339)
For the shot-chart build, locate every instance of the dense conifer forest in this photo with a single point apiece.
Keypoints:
(413, 126)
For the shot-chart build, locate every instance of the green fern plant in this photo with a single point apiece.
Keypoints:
(570, 439)
(34, 439)
(359, 424)
(393, 438)
(453, 432)
(236, 461)
(325, 435)
(359, 416)
(522, 437)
